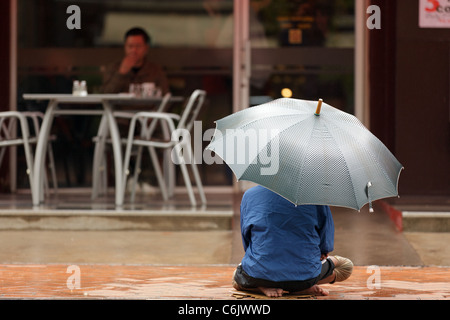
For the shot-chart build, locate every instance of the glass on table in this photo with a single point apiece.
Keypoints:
(135, 89)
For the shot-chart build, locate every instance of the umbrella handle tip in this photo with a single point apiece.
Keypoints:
(319, 107)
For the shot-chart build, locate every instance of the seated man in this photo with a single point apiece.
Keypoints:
(286, 246)
(135, 66)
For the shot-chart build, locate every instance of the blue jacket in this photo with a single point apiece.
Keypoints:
(283, 242)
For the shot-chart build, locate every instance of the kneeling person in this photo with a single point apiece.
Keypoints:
(286, 246)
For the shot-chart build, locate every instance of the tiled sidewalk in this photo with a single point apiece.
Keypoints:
(212, 282)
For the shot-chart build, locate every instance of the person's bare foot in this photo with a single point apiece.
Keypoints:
(271, 292)
(315, 290)
(318, 291)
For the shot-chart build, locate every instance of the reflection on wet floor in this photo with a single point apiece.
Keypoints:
(151, 231)
(212, 282)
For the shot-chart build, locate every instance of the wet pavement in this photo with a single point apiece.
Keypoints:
(212, 282)
(116, 260)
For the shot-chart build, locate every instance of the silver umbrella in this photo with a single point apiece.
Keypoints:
(308, 152)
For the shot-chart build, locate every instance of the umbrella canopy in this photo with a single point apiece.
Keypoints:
(308, 152)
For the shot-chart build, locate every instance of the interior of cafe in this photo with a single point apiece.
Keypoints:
(295, 49)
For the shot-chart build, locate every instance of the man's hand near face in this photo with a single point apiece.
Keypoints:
(128, 62)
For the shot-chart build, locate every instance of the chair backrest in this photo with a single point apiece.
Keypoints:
(8, 131)
(8, 126)
(161, 108)
(164, 102)
(192, 109)
(35, 119)
(5, 133)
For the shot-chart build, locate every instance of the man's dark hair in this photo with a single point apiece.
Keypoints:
(138, 32)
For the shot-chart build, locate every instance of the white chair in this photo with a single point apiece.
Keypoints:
(145, 139)
(99, 176)
(9, 138)
(36, 118)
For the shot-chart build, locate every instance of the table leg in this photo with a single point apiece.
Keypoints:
(117, 151)
(99, 156)
(41, 149)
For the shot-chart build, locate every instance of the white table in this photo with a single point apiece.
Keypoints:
(107, 101)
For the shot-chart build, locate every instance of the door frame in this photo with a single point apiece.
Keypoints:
(242, 64)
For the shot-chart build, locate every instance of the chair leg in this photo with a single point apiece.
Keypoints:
(137, 171)
(29, 160)
(187, 182)
(158, 172)
(127, 156)
(181, 160)
(168, 165)
(169, 173)
(198, 182)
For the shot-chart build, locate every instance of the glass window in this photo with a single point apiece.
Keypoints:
(191, 39)
(300, 48)
(179, 23)
(303, 49)
(288, 23)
